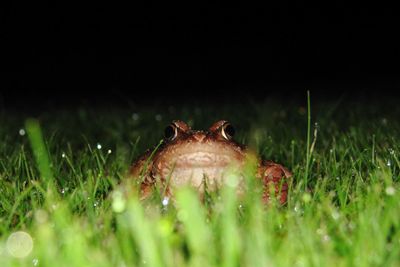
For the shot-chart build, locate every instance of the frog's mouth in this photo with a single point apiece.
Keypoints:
(202, 159)
(192, 168)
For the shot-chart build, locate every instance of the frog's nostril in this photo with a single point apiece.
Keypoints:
(199, 137)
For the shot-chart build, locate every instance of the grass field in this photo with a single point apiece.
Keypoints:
(61, 203)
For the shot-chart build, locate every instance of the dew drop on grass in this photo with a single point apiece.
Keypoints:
(41, 216)
(19, 244)
(35, 262)
(390, 191)
(298, 210)
(351, 225)
(109, 151)
(135, 116)
(98, 146)
(165, 201)
(335, 215)
(118, 203)
(388, 163)
(158, 117)
(232, 180)
(326, 238)
(21, 132)
(63, 155)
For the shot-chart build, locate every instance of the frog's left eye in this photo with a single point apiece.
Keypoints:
(227, 131)
(171, 132)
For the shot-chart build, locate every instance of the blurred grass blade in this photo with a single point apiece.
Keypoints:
(143, 234)
(39, 150)
(230, 238)
(197, 231)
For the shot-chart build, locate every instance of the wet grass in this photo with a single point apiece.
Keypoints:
(61, 203)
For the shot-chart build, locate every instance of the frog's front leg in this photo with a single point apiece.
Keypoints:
(274, 174)
(140, 171)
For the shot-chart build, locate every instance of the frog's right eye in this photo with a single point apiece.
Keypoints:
(171, 132)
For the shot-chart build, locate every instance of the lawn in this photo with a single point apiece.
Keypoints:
(63, 201)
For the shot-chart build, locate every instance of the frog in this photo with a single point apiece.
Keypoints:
(205, 160)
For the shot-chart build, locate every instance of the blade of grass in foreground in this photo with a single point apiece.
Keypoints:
(230, 238)
(39, 150)
(142, 232)
(197, 231)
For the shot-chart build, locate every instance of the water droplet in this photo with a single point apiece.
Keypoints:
(35, 262)
(297, 209)
(326, 238)
(331, 150)
(390, 191)
(335, 215)
(63, 155)
(21, 132)
(338, 178)
(158, 117)
(19, 244)
(388, 163)
(63, 191)
(165, 201)
(109, 151)
(135, 116)
(119, 202)
(95, 204)
(41, 216)
(98, 146)
(232, 180)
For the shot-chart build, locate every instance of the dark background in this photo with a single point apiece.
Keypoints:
(95, 55)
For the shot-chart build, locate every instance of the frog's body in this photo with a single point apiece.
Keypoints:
(194, 157)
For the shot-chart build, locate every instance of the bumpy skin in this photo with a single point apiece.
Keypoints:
(188, 157)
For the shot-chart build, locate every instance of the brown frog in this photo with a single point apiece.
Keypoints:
(195, 157)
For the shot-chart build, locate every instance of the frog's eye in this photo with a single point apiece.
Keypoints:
(170, 132)
(227, 131)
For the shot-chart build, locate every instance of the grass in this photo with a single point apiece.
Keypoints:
(61, 201)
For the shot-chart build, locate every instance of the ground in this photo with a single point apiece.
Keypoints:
(68, 209)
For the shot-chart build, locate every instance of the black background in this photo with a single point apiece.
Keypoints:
(96, 55)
